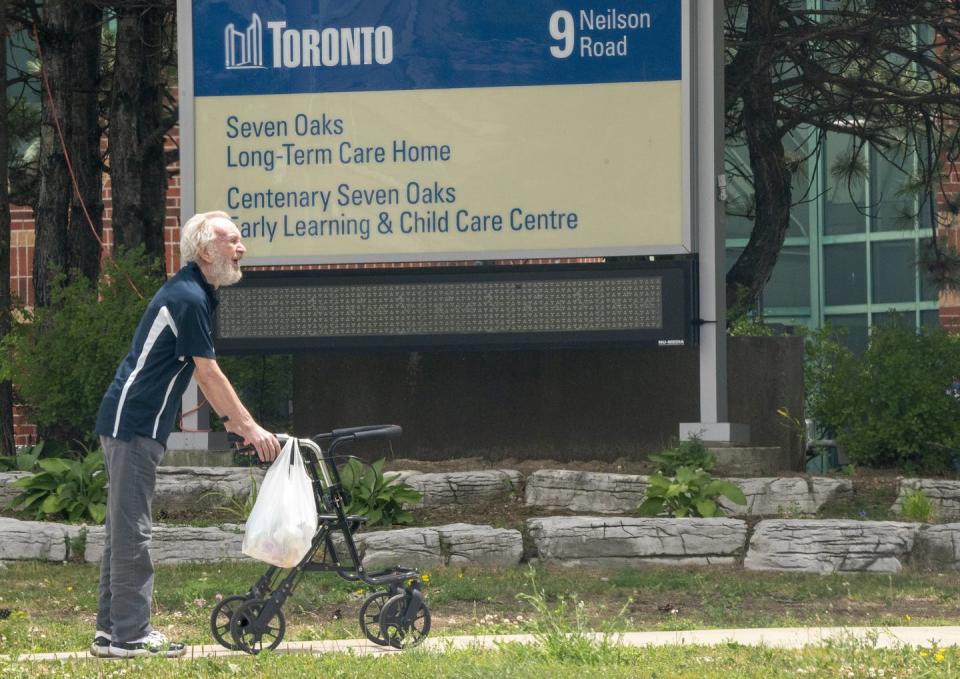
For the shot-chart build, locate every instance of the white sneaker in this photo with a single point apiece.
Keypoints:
(154, 644)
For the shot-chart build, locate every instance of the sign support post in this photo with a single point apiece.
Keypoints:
(197, 417)
(708, 212)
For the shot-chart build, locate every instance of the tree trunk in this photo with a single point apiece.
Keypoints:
(6, 391)
(772, 192)
(138, 172)
(70, 40)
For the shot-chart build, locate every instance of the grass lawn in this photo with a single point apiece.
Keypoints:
(50, 607)
(567, 661)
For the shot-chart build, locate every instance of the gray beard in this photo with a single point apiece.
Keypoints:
(224, 272)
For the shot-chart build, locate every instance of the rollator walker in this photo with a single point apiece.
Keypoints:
(396, 615)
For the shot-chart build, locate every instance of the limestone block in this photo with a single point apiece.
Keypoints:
(625, 541)
(36, 540)
(585, 491)
(464, 488)
(178, 544)
(826, 489)
(943, 494)
(184, 490)
(830, 546)
(937, 548)
(7, 490)
(469, 545)
(772, 496)
(412, 547)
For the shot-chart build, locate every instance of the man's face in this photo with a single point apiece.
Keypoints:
(225, 251)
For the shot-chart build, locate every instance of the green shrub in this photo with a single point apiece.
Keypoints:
(747, 325)
(65, 488)
(24, 461)
(692, 492)
(890, 406)
(917, 507)
(62, 357)
(372, 495)
(690, 453)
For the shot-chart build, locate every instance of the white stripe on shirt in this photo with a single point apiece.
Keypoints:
(163, 321)
(166, 397)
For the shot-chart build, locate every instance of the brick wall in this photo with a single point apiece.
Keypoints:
(950, 228)
(21, 286)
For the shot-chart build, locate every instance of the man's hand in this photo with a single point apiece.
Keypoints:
(265, 443)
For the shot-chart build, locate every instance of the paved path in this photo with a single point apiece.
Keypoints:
(777, 637)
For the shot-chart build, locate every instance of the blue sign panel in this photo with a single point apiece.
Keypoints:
(262, 47)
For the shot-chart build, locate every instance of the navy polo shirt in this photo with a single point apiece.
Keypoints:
(145, 394)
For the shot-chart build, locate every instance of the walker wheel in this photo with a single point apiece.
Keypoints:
(252, 632)
(395, 630)
(370, 617)
(220, 619)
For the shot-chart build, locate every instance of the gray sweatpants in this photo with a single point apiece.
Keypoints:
(126, 570)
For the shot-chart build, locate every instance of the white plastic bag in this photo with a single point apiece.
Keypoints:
(284, 518)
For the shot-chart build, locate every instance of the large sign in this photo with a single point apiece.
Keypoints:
(404, 130)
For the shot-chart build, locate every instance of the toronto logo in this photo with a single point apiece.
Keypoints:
(308, 47)
(244, 49)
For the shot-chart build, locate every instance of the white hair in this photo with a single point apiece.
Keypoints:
(198, 233)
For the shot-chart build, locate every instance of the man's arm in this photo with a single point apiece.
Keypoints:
(223, 398)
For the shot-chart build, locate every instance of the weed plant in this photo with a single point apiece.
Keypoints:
(918, 507)
(565, 633)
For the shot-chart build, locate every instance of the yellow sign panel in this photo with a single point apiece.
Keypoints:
(481, 173)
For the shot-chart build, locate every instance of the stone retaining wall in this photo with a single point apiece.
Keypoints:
(798, 545)
(608, 540)
(183, 490)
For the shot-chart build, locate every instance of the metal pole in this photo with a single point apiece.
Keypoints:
(708, 213)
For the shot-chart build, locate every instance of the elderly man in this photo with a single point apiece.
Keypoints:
(172, 343)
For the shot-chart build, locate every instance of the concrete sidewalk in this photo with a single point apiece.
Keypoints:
(775, 637)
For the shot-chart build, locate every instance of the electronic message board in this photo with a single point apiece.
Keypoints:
(645, 303)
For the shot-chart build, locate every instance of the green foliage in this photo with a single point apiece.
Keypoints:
(24, 461)
(690, 453)
(62, 357)
(65, 488)
(748, 325)
(692, 492)
(917, 507)
(890, 406)
(373, 495)
(237, 506)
